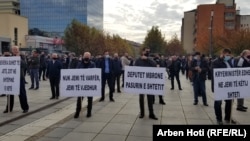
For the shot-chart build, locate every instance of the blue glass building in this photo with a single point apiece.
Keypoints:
(53, 16)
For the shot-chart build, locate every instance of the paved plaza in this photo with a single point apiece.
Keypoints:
(52, 120)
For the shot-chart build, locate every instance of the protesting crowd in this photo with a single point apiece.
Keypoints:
(197, 68)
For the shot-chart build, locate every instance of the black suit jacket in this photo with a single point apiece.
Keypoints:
(204, 69)
(111, 65)
(54, 70)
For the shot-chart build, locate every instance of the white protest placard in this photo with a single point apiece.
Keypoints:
(144, 80)
(80, 82)
(10, 75)
(231, 83)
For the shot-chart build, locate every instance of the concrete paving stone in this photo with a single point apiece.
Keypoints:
(75, 136)
(142, 130)
(59, 132)
(98, 117)
(72, 124)
(179, 114)
(3, 119)
(194, 109)
(195, 115)
(169, 107)
(173, 121)
(23, 121)
(117, 105)
(90, 127)
(241, 116)
(199, 122)
(132, 106)
(146, 121)
(136, 138)
(124, 119)
(133, 111)
(13, 138)
(117, 129)
(7, 128)
(43, 123)
(48, 139)
(12, 114)
(109, 110)
(38, 115)
(23, 131)
(107, 137)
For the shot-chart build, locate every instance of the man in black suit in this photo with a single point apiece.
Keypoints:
(107, 66)
(85, 64)
(53, 73)
(146, 61)
(22, 91)
(199, 67)
(117, 71)
(174, 70)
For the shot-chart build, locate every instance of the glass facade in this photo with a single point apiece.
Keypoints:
(53, 16)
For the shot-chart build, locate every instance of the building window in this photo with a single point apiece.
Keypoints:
(229, 16)
(15, 36)
(229, 25)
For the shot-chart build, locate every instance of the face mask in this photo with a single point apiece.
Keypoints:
(107, 56)
(226, 58)
(195, 57)
(86, 59)
(147, 53)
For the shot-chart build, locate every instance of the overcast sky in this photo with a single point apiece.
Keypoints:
(131, 19)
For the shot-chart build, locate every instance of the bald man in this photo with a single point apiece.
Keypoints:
(22, 96)
(53, 73)
(85, 64)
(243, 62)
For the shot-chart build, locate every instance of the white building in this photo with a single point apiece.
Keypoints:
(44, 42)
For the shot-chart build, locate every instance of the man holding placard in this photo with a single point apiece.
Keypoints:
(85, 64)
(145, 61)
(22, 90)
(222, 62)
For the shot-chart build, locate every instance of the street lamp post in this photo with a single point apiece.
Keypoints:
(211, 33)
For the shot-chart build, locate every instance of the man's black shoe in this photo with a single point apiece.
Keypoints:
(219, 122)
(112, 100)
(244, 107)
(36, 88)
(76, 115)
(25, 111)
(241, 109)
(172, 89)
(6, 111)
(232, 121)
(88, 115)
(119, 91)
(162, 103)
(31, 88)
(205, 104)
(52, 98)
(101, 100)
(141, 116)
(195, 103)
(180, 89)
(153, 117)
